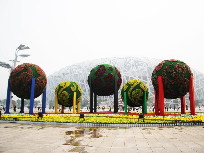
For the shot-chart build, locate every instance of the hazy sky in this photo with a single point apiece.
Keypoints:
(65, 32)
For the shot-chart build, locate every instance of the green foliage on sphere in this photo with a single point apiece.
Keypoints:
(176, 76)
(21, 77)
(135, 90)
(65, 93)
(103, 79)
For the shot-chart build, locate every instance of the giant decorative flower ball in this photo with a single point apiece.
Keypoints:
(21, 78)
(135, 90)
(65, 93)
(176, 76)
(103, 79)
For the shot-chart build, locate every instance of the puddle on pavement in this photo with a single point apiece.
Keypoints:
(172, 138)
(78, 149)
(91, 132)
(95, 133)
(40, 128)
(116, 128)
(72, 141)
(124, 127)
(76, 133)
(179, 128)
(146, 128)
(15, 126)
(161, 127)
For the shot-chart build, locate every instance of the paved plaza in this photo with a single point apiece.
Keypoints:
(43, 138)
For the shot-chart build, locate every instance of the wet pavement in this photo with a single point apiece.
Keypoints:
(35, 138)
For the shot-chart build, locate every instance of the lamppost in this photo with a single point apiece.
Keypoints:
(21, 47)
(11, 67)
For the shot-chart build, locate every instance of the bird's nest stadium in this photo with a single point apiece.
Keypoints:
(131, 68)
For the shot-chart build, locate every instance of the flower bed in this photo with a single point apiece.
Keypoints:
(103, 118)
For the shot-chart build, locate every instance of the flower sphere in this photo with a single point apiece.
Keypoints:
(135, 90)
(103, 79)
(175, 76)
(20, 80)
(65, 93)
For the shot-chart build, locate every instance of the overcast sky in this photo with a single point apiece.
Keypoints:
(65, 32)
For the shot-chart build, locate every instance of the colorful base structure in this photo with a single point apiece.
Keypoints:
(32, 93)
(93, 104)
(159, 98)
(144, 107)
(74, 104)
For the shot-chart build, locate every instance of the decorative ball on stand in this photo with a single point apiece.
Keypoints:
(175, 76)
(65, 93)
(103, 77)
(21, 78)
(135, 90)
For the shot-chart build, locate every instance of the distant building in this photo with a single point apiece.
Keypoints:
(131, 68)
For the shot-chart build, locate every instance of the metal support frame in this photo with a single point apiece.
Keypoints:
(32, 93)
(8, 99)
(115, 97)
(44, 101)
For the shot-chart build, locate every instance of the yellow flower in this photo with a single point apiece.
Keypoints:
(66, 83)
(73, 88)
(63, 85)
(136, 95)
(78, 99)
(135, 82)
(125, 87)
(63, 96)
(143, 86)
(79, 89)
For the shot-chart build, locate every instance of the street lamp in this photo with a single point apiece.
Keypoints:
(24, 55)
(21, 47)
(8, 66)
(5, 65)
(11, 67)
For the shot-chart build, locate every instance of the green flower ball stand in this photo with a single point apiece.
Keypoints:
(27, 81)
(104, 80)
(135, 94)
(173, 79)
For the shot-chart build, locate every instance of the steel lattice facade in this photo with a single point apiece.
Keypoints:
(131, 68)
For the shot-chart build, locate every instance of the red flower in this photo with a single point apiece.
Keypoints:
(118, 72)
(109, 77)
(119, 82)
(101, 70)
(97, 81)
(108, 89)
(110, 68)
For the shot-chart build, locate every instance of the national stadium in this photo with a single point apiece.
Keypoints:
(131, 68)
